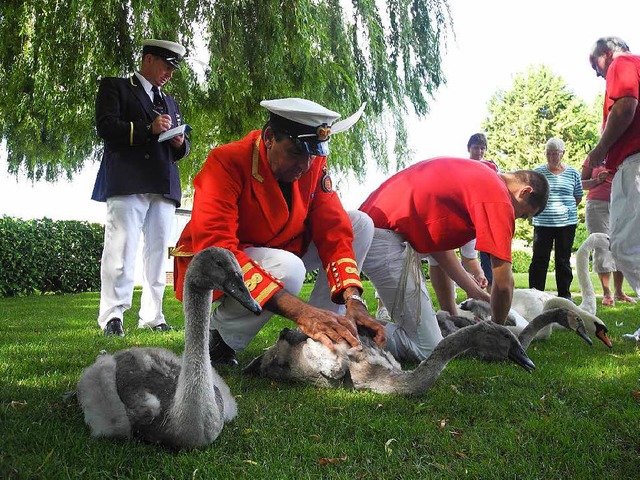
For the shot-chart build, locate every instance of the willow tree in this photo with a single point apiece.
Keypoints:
(336, 53)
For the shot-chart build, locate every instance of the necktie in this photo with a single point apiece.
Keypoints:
(158, 102)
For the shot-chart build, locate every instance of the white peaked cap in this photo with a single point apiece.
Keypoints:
(312, 114)
(173, 47)
(301, 111)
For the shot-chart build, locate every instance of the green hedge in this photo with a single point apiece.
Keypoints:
(46, 256)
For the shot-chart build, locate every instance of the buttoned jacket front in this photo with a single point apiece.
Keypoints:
(133, 160)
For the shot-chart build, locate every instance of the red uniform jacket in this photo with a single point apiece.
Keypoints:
(238, 204)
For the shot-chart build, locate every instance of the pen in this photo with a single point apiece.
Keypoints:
(156, 112)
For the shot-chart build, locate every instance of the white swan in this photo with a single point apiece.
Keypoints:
(152, 394)
(530, 302)
(296, 357)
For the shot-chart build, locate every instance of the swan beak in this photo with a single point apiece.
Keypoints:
(517, 355)
(234, 287)
(581, 331)
(602, 335)
(254, 366)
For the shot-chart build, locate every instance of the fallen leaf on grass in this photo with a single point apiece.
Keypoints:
(16, 404)
(326, 461)
(440, 466)
(387, 446)
(455, 389)
(316, 437)
(462, 455)
(443, 423)
(636, 395)
(455, 433)
(250, 462)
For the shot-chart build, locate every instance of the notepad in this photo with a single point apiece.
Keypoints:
(174, 132)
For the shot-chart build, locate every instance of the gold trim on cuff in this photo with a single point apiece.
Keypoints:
(266, 292)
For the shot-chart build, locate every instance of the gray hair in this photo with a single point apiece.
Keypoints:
(608, 44)
(555, 144)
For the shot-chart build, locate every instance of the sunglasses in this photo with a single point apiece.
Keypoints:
(311, 147)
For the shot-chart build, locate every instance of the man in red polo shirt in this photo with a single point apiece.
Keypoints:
(433, 207)
(619, 145)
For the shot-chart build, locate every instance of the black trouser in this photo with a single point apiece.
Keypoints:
(485, 263)
(543, 240)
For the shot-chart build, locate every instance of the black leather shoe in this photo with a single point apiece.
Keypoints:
(114, 327)
(163, 327)
(220, 352)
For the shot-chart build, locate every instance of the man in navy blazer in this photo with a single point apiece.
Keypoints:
(139, 181)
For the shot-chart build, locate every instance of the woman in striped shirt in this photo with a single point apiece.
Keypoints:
(557, 222)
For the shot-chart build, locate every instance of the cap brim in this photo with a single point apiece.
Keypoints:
(174, 62)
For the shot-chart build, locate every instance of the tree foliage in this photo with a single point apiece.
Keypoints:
(539, 106)
(336, 53)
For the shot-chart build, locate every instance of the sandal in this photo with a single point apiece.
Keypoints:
(625, 298)
(608, 302)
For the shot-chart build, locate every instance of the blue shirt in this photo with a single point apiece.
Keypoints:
(561, 209)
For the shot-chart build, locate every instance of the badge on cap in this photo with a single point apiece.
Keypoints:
(323, 132)
(325, 182)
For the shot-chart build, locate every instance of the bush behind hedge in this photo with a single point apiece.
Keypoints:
(47, 256)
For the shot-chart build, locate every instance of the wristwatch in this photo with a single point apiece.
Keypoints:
(358, 298)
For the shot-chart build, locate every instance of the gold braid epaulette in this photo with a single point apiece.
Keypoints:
(180, 252)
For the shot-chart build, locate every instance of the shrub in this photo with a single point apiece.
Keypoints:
(49, 256)
(520, 261)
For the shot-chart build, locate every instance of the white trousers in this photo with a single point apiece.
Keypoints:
(625, 220)
(238, 327)
(394, 269)
(127, 217)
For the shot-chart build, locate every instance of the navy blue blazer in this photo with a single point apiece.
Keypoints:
(133, 161)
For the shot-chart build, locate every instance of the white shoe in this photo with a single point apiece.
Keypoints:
(383, 314)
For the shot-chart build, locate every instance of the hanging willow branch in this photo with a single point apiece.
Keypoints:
(53, 55)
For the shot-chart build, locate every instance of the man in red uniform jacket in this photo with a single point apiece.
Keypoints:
(268, 198)
(433, 207)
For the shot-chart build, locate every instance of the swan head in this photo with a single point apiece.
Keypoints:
(569, 320)
(216, 268)
(297, 358)
(601, 333)
(491, 339)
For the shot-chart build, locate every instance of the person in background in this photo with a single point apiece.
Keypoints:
(598, 182)
(477, 147)
(431, 208)
(269, 199)
(619, 150)
(555, 227)
(138, 179)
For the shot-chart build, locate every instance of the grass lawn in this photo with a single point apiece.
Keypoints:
(576, 416)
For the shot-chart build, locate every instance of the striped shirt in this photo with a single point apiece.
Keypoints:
(561, 209)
